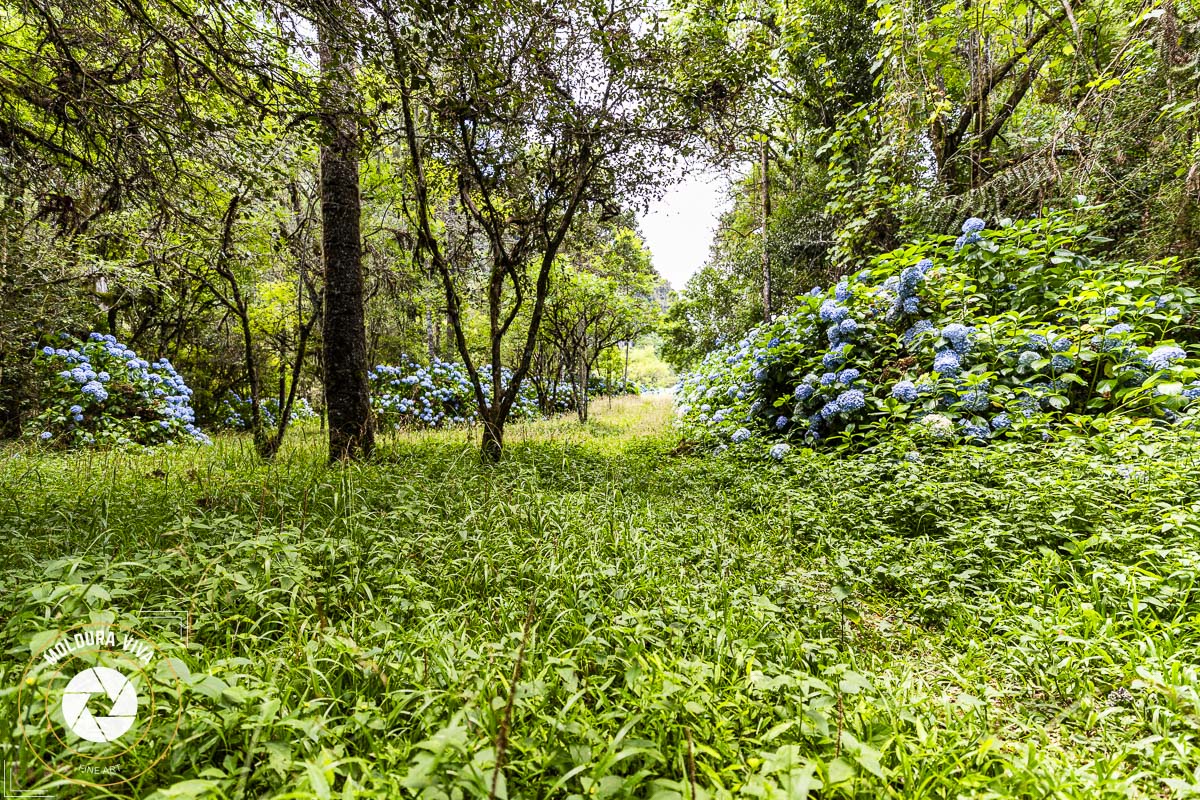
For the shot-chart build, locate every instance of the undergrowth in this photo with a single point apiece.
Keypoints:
(1011, 621)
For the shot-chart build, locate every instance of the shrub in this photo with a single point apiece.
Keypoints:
(598, 386)
(235, 411)
(411, 395)
(1003, 333)
(101, 392)
(415, 396)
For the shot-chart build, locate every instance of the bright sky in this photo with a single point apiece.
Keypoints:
(679, 227)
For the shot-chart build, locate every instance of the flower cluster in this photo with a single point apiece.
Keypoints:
(101, 392)
(917, 339)
(972, 233)
(598, 386)
(412, 395)
(236, 414)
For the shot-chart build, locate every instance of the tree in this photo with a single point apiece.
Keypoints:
(513, 131)
(347, 391)
(597, 301)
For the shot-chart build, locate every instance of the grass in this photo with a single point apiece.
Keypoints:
(607, 615)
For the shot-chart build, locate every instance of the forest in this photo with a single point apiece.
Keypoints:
(360, 436)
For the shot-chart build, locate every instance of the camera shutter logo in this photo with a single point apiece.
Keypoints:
(120, 692)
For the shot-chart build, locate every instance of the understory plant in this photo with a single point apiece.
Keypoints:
(999, 333)
(413, 395)
(100, 391)
(235, 411)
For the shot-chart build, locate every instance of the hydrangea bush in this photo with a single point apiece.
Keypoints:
(598, 386)
(411, 395)
(235, 411)
(101, 392)
(1000, 333)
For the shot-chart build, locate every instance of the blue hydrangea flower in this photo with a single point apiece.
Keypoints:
(976, 401)
(832, 311)
(75, 410)
(912, 305)
(1027, 358)
(966, 239)
(847, 326)
(1061, 363)
(1061, 345)
(842, 290)
(95, 390)
(973, 225)
(1165, 355)
(918, 328)
(780, 450)
(832, 360)
(44, 435)
(910, 279)
(905, 391)
(761, 374)
(829, 379)
(1001, 421)
(946, 363)
(958, 335)
(848, 376)
(781, 422)
(803, 392)
(850, 401)
(973, 431)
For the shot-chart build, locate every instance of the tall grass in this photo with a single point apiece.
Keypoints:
(605, 615)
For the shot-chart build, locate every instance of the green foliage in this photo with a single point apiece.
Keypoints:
(99, 392)
(1001, 336)
(437, 395)
(1017, 621)
(888, 121)
(235, 411)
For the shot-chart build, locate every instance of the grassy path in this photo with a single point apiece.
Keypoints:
(1006, 622)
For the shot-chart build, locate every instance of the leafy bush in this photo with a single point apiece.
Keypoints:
(235, 411)
(411, 395)
(598, 386)
(101, 392)
(999, 334)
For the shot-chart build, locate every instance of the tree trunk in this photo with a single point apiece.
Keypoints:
(763, 166)
(430, 336)
(347, 392)
(581, 405)
(625, 375)
(492, 446)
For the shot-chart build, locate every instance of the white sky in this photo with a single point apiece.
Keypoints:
(679, 227)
